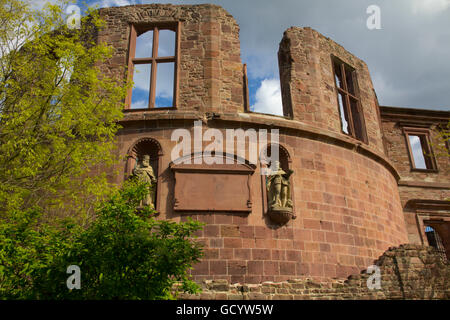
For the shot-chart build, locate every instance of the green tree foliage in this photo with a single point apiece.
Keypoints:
(58, 120)
(124, 254)
(442, 147)
(58, 112)
(26, 248)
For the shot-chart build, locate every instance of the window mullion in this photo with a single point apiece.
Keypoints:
(154, 67)
(353, 96)
(177, 63)
(344, 80)
(410, 151)
(428, 154)
(350, 116)
(347, 101)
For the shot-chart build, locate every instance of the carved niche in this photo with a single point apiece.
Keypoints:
(213, 187)
(278, 187)
(146, 150)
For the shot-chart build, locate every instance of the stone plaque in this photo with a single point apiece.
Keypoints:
(217, 187)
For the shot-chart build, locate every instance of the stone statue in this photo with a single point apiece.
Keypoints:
(279, 189)
(144, 172)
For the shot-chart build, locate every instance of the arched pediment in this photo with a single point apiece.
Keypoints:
(225, 162)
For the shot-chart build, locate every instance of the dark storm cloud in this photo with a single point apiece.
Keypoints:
(409, 58)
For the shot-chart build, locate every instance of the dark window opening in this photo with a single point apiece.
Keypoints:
(434, 240)
(350, 110)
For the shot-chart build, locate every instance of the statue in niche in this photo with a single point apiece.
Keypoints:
(279, 189)
(144, 172)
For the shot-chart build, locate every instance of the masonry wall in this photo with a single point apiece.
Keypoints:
(211, 72)
(398, 153)
(308, 86)
(407, 272)
(418, 184)
(347, 206)
(345, 194)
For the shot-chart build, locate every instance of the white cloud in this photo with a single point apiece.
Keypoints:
(430, 6)
(141, 77)
(415, 72)
(140, 104)
(112, 3)
(268, 97)
(39, 4)
(417, 151)
(164, 79)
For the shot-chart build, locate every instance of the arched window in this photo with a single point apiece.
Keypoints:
(146, 146)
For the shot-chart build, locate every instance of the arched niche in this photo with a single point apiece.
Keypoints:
(212, 187)
(151, 147)
(284, 157)
(285, 164)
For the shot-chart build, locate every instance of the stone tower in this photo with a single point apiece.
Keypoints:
(346, 203)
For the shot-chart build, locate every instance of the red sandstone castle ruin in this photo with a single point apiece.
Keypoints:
(358, 188)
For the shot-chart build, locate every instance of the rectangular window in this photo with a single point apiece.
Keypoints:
(153, 66)
(419, 148)
(350, 111)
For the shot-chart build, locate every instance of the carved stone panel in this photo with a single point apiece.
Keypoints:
(217, 187)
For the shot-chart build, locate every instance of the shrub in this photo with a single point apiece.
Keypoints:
(124, 254)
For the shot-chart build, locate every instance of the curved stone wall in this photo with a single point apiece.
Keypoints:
(347, 206)
(345, 194)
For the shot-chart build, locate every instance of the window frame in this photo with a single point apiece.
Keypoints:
(424, 135)
(347, 96)
(137, 29)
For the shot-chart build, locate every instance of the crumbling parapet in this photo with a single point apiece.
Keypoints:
(308, 86)
(407, 272)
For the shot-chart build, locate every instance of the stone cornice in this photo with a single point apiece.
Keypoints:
(424, 184)
(419, 116)
(286, 125)
(433, 205)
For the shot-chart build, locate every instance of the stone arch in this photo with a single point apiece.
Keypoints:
(284, 156)
(225, 156)
(140, 143)
(152, 147)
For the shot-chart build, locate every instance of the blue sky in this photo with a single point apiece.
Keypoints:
(409, 58)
